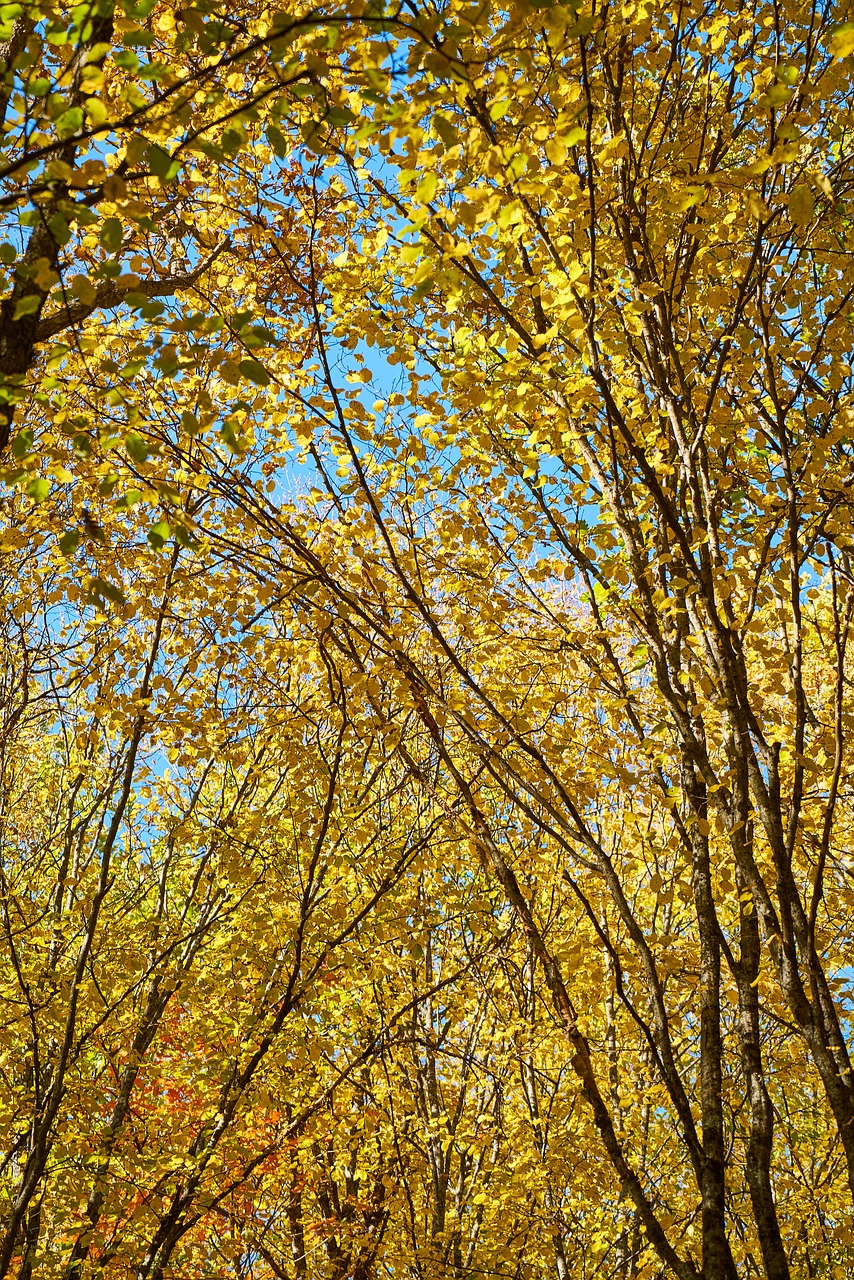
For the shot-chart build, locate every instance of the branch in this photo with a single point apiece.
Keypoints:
(109, 295)
(22, 29)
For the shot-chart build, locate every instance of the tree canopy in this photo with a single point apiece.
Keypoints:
(427, 438)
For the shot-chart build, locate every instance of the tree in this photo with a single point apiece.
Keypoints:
(627, 277)
(578, 585)
(184, 895)
(143, 149)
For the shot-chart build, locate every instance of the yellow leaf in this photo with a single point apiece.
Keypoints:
(426, 189)
(842, 40)
(801, 202)
(556, 150)
(95, 110)
(83, 289)
(756, 206)
(43, 276)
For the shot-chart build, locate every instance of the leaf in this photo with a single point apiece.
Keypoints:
(22, 444)
(776, 96)
(83, 290)
(59, 229)
(96, 111)
(279, 144)
(756, 206)
(787, 73)
(426, 189)
(69, 542)
(445, 130)
(801, 204)
(70, 122)
(100, 591)
(185, 537)
(581, 27)
(842, 40)
(154, 71)
(137, 447)
(255, 372)
(161, 164)
(111, 235)
(257, 335)
(127, 60)
(128, 499)
(338, 115)
(27, 306)
(38, 489)
(43, 275)
(158, 534)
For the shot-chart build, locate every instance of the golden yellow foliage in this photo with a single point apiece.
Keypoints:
(427, 592)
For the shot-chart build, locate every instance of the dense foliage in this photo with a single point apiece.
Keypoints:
(425, 762)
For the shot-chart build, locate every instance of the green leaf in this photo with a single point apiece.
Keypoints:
(138, 9)
(161, 163)
(340, 116)
(111, 235)
(136, 447)
(7, 254)
(208, 149)
(27, 306)
(257, 335)
(129, 499)
(158, 534)
(776, 96)
(23, 443)
(232, 139)
(59, 229)
(278, 142)
(185, 537)
(787, 73)
(100, 591)
(255, 372)
(445, 130)
(230, 438)
(69, 542)
(127, 60)
(80, 214)
(96, 111)
(138, 39)
(70, 122)
(154, 71)
(38, 489)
